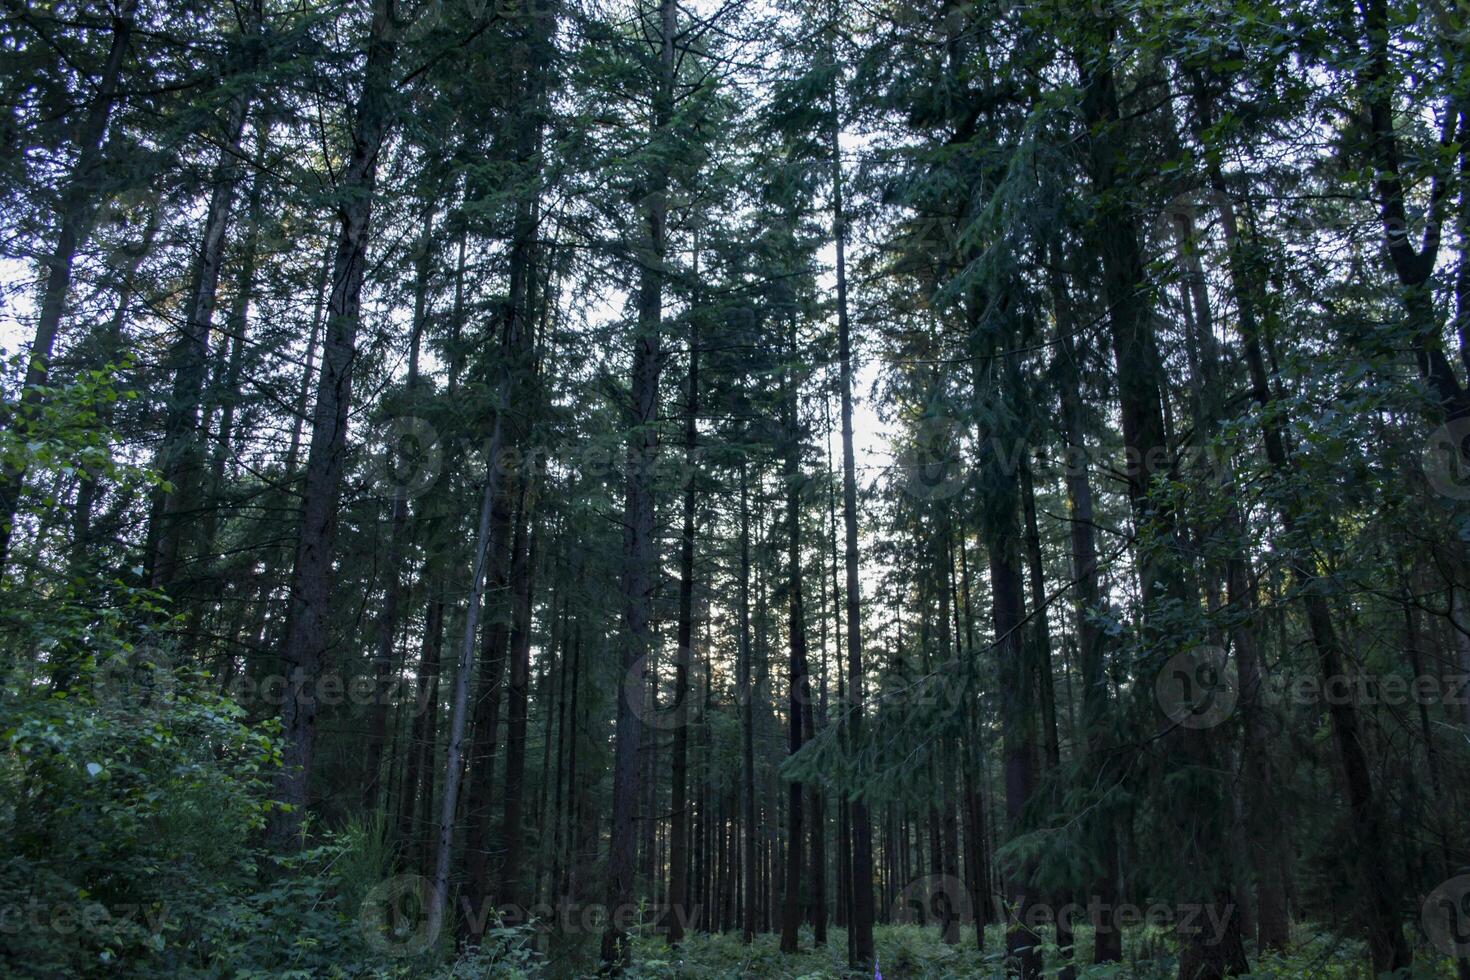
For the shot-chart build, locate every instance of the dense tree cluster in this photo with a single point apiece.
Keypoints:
(497, 487)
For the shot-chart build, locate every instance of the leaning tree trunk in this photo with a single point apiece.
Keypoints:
(109, 346)
(74, 211)
(1376, 879)
(488, 567)
(459, 699)
(181, 460)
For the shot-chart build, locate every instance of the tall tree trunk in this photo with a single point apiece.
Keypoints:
(977, 862)
(386, 628)
(1162, 568)
(679, 764)
(842, 906)
(815, 803)
(509, 541)
(747, 718)
(799, 694)
(552, 835)
(513, 833)
(418, 774)
(1023, 946)
(1266, 854)
(639, 572)
(708, 803)
(1377, 882)
(977, 856)
(181, 460)
(567, 889)
(860, 927)
(1041, 633)
(1086, 609)
(307, 633)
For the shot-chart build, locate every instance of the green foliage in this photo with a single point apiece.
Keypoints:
(130, 786)
(916, 953)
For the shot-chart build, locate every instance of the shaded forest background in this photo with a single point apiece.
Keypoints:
(559, 487)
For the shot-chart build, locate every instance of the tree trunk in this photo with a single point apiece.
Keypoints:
(508, 549)
(860, 926)
(747, 719)
(815, 803)
(679, 765)
(109, 346)
(181, 460)
(639, 571)
(307, 633)
(799, 687)
(74, 214)
(1023, 946)
(1086, 608)
(1163, 569)
(513, 833)
(418, 778)
(384, 662)
(459, 700)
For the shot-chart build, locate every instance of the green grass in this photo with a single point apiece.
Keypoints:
(915, 953)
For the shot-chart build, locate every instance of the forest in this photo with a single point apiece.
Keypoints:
(735, 488)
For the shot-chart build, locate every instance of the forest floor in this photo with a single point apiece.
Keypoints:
(916, 953)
